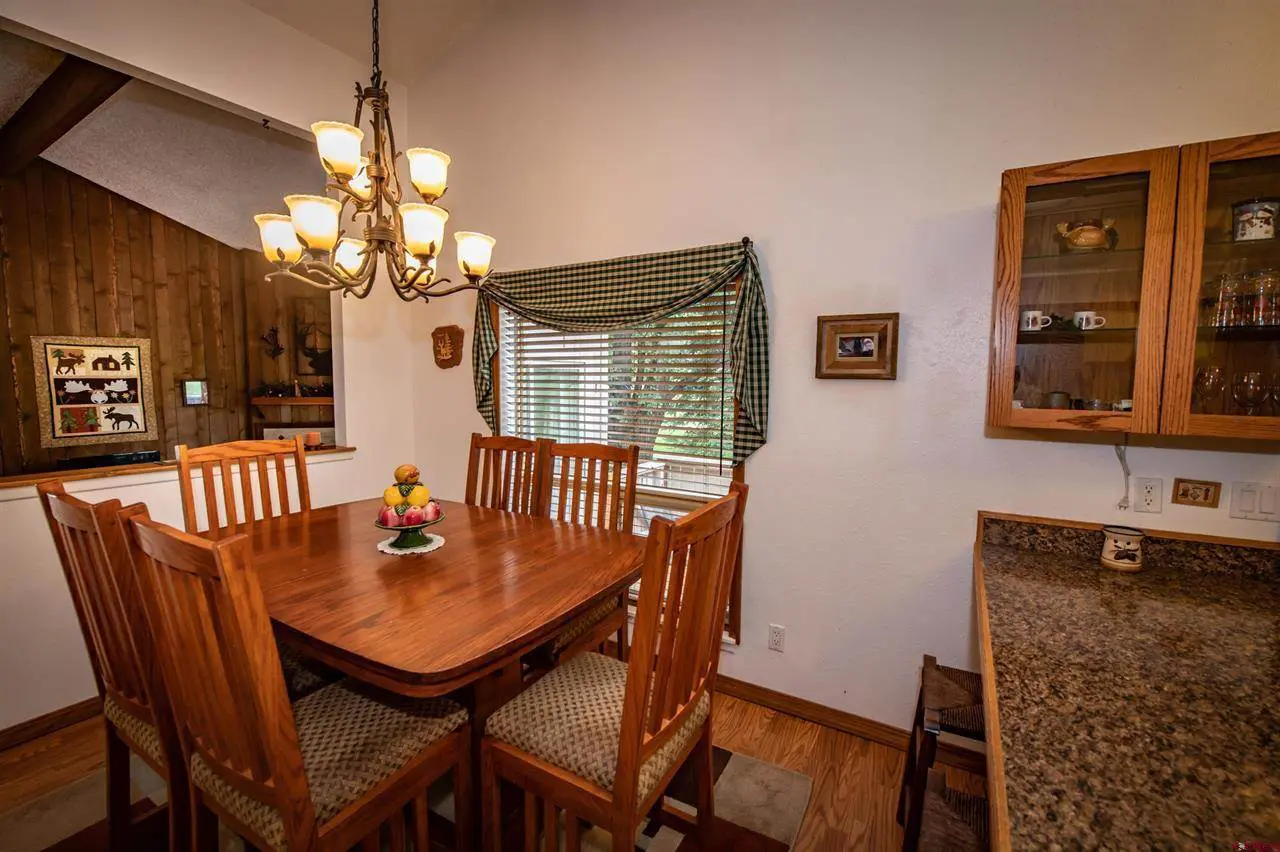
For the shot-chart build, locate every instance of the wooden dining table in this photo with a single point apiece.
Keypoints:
(456, 620)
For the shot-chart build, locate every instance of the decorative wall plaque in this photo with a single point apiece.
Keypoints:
(446, 343)
(93, 390)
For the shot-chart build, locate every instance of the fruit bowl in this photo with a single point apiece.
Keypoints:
(409, 536)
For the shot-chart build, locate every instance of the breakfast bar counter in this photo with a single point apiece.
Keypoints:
(1128, 711)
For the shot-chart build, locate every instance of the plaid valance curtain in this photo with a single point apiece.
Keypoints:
(623, 292)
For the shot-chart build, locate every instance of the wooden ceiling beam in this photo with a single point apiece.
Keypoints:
(75, 88)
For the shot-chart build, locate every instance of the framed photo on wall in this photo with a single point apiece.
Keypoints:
(93, 390)
(857, 346)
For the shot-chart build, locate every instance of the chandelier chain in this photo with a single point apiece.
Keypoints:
(377, 66)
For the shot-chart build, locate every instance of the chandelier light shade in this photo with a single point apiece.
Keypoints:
(475, 251)
(310, 245)
(339, 147)
(315, 220)
(279, 240)
(428, 171)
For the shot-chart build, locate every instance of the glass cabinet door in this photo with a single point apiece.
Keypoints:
(1223, 374)
(1082, 274)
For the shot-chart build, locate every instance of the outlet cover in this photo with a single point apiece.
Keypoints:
(777, 638)
(1148, 495)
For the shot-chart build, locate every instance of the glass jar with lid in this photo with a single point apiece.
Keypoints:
(1230, 305)
(1263, 286)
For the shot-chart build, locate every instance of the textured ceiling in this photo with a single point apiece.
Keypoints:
(412, 30)
(23, 65)
(192, 162)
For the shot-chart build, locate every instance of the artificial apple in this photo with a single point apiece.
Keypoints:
(413, 516)
(388, 517)
(431, 512)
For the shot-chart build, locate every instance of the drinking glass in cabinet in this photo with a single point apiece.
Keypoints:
(1250, 390)
(1207, 392)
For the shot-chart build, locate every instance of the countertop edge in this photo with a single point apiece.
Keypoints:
(997, 794)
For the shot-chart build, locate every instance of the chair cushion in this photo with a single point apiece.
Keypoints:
(302, 675)
(572, 718)
(143, 734)
(350, 743)
(583, 624)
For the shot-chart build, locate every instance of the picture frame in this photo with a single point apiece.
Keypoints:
(193, 391)
(93, 390)
(857, 346)
(1204, 493)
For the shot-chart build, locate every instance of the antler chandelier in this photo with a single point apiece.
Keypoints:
(309, 244)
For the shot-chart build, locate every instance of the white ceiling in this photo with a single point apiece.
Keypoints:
(199, 165)
(412, 30)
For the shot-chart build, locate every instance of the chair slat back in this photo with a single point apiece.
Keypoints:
(220, 663)
(675, 652)
(503, 473)
(255, 465)
(591, 484)
(95, 559)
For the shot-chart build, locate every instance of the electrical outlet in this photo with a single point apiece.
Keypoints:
(1149, 495)
(777, 638)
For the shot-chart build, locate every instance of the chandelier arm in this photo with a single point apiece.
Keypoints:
(306, 279)
(456, 288)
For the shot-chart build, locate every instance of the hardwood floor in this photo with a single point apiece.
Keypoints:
(855, 782)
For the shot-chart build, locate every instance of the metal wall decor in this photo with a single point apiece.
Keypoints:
(93, 390)
(446, 344)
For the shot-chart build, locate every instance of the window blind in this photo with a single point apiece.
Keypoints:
(666, 386)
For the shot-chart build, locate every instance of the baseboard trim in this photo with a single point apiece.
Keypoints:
(859, 726)
(56, 720)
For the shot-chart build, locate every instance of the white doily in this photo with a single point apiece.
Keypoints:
(434, 542)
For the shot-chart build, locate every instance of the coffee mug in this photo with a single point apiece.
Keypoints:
(1059, 399)
(1034, 320)
(1088, 320)
(1122, 548)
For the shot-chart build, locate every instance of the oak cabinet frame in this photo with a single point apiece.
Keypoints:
(1172, 264)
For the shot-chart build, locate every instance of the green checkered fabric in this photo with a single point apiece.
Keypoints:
(625, 292)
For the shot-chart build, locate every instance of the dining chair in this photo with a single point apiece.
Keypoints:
(950, 702)
(260, 462)
(249, 462)
(94, 552)
(339, 768)
(503, 473)
(600, 739)
(595, 485)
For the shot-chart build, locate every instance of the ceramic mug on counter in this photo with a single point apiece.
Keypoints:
(1122, 548)
(1034, 321)
(1058, 399)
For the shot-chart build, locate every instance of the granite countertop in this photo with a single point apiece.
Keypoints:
(1136, 711)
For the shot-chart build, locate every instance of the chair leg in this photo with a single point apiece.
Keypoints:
(180, 836)
(491, 797)
(118, 793)
(706, 776)
(204, 831)
(464, 819)
(908, 769)
(623, 650)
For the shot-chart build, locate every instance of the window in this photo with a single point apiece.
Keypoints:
(666, 386)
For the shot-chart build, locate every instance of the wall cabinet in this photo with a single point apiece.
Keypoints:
(1107, 318)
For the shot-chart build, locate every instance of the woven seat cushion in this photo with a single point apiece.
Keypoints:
(583, 624)
(572, 718)
(302, 675)
(350, 742)
(143, 734)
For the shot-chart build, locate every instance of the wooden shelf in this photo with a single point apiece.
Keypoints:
(291, 400)
(1264, 333)
(1097, 335)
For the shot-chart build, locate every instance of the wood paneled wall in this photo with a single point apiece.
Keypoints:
(80, 260)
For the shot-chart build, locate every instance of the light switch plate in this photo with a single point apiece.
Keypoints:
(1255, 501)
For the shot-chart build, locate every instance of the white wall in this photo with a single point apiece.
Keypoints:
(860, 144)
(225, 52)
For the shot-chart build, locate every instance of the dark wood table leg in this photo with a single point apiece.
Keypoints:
(487, 695)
